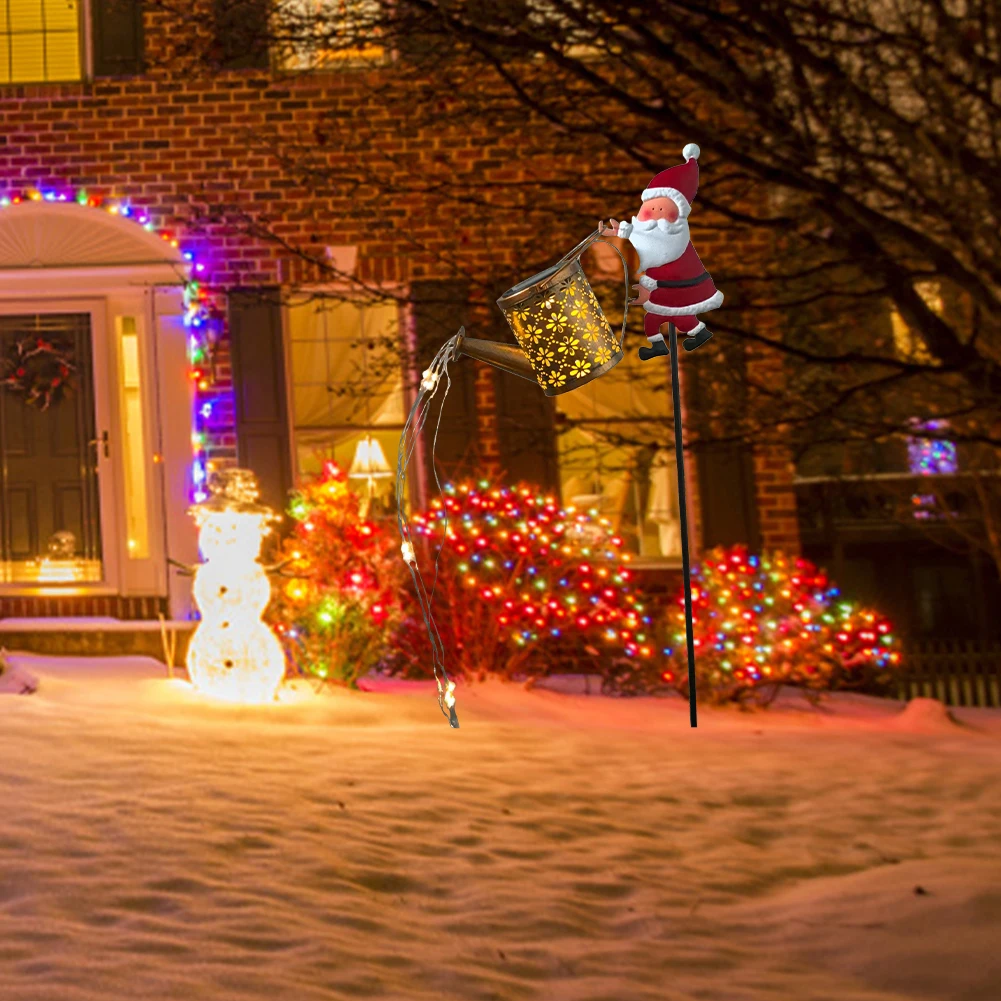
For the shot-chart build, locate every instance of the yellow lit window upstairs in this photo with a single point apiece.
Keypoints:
(39, 41)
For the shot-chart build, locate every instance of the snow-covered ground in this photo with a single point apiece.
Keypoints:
(557, 847)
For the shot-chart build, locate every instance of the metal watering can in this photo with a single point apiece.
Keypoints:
(564, 339)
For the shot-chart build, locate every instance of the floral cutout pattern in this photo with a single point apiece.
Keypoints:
(564, 333)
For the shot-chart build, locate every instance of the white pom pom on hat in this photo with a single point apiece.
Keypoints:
(691, 152)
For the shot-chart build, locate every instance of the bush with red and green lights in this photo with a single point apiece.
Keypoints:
(342, 595)
(762, 622)
(524, 586)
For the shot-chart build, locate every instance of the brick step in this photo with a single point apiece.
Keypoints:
(98, 637)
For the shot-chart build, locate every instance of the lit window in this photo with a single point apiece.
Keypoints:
(320, 34)
(932, 456)
(347, 389)
(39, 41)
(134, 439)
(909, 345)
(573, 27)
(613, 459)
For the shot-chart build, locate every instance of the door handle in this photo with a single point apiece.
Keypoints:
(103, 440)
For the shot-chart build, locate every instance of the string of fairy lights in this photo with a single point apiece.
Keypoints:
(756, 615)
(520, 556)
(203, 319)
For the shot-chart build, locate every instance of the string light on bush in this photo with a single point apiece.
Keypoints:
(341, 598)
(761, 622)
(519, 558)
(203, 320)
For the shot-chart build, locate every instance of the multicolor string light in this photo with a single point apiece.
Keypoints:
(203, 319)
(760, 620)
(932, 456)
(539, 570)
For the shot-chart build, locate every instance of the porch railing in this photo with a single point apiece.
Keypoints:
(957, 672)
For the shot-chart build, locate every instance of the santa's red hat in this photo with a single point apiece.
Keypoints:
(678, 183)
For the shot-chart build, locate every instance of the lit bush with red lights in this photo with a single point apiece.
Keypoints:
(763, 622)
(525, 587)
(341, 599)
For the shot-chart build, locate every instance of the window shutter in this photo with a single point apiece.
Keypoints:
(241, 34)
(726, 496)
(262, 428)
(439, 309)
(526, 421)
(526, 429)
(117, 31)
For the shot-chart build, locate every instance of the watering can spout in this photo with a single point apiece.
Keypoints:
(503, 356)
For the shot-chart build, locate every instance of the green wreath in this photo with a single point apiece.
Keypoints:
(40, 370)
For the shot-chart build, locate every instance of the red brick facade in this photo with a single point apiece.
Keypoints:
(191, 147)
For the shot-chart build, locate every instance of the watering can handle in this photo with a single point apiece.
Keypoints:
(584, 244)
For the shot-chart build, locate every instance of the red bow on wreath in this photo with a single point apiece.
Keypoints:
(39, 370)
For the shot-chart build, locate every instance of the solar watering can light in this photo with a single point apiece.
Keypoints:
(564, 341)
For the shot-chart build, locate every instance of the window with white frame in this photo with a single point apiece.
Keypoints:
(321, 34)
(40, 41)
(347, 388)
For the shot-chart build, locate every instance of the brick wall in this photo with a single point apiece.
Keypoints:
(202, 153)
(774, 470)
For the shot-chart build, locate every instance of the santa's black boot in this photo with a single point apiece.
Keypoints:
(691, 343)
(657, 349)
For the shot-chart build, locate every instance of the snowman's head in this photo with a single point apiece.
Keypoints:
(233, 536)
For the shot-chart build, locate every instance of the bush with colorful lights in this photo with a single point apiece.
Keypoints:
(764, 622)
(339, 602)
(523, 587)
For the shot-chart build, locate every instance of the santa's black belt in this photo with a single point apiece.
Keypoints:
(685, 282)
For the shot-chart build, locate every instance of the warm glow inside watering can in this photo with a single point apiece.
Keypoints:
(565, 340)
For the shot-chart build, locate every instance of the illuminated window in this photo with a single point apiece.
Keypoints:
(321, 34)
(909, 345)
(932, 456)
(579, 31)
(347, 389)
(133, 437)
(926, 456)
(39, 40)
(617, 459)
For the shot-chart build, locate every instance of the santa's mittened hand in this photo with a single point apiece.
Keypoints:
(642, 295)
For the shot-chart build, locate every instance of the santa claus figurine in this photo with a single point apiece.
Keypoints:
(673, 287)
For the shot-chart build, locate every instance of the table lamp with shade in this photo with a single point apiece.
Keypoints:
(369, 464)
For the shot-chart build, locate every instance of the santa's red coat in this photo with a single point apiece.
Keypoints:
(686, 299)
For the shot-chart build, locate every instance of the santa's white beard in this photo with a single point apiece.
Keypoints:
(658, 241)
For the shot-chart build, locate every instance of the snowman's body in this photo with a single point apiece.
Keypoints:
(233, 655)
